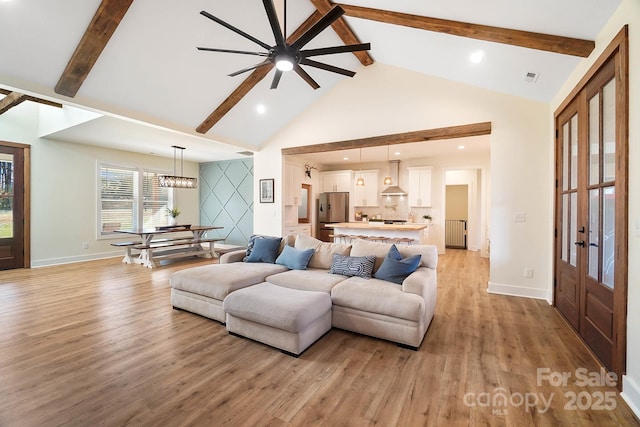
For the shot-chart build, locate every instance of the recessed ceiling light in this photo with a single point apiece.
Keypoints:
(345, 158)
(477, 56)
(460, 147)
(261, 109)
(397, 153)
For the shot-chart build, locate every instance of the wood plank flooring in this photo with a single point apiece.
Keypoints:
(98, 343)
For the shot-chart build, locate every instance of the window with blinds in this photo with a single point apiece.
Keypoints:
(131, 198)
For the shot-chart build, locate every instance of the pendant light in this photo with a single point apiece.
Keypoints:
(387, 179)
(177, 181)
(360, 180)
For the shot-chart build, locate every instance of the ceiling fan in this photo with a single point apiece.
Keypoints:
(287, 56)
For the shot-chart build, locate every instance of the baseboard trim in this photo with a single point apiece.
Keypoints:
(517, 291)
(72, 259)
(631, 394)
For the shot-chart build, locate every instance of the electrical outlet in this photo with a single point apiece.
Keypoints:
(519, 217)
(85, 245)
(528, 272)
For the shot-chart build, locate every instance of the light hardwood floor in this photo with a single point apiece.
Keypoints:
(98, 343)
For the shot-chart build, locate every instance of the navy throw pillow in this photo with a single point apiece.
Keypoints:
(265, 250)
(295, 259)
(353, 265)
(395, 269)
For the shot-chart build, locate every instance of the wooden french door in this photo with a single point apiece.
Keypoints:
(591, 210)
(14, 219)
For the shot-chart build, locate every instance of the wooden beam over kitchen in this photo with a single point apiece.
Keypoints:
(13, 99)
(450, 132)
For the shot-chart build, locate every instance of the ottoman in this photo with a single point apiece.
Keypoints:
(288, 319)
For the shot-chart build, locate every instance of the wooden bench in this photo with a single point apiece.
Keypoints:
(183, 247)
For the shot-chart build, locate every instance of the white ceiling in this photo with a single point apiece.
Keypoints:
(151, 71)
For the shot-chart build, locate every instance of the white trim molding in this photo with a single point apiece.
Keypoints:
(631, 394)
(517, 291)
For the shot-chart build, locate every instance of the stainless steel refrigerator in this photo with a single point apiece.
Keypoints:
(332, 207)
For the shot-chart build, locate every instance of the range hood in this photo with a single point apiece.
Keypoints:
(394, 190)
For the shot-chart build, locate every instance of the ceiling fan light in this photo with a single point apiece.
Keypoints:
(284, 64)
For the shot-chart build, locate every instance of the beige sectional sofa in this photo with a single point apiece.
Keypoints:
(396, 312)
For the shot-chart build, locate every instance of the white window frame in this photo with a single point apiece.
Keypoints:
(138, 191)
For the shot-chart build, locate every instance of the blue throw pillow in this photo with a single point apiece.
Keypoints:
(265, 250)
(295, 259)
(395, 269)
(252, 241)
(353, 265)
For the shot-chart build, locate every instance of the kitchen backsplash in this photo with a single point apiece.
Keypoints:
(394, 208)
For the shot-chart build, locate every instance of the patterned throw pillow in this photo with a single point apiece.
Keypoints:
(353, 266)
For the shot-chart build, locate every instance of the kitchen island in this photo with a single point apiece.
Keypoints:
(411, 233)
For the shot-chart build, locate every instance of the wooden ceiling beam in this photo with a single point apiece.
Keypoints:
(11, 100)
(250, 82)
(531, 40)
(95, 38)
(450, 132)
(343, 31)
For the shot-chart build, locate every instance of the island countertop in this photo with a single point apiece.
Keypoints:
(375, 225)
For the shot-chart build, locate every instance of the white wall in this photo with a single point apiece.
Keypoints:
(382, 100)
(627, 13)
(64, 190)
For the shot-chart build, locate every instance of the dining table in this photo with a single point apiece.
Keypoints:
(167, 242)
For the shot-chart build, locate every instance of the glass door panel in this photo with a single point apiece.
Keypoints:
(6, 196)
(609, 130)
(594, 234)
(608, 239)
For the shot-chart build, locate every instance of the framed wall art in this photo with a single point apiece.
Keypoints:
(266, 190)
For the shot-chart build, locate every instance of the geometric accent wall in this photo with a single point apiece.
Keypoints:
(226, 199)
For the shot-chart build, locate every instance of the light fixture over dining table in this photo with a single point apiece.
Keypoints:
(175, 181)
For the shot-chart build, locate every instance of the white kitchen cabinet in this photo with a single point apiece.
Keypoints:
(368, 194)
(419, 186)
(336, 181)
(292, 184)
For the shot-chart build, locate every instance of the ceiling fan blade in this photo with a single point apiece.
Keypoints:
(273, 21)
(276, 79)
(328, 19)
(336, 49)
(213, 49)
(235, 30)
(306, 77)
(327, 67)
(253, 67)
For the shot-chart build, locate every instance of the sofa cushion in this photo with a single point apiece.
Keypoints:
(295, 259)
(361, 247)
(218, 280)
(324, 251)
(378, 296)
(429, 253)
(282, 308)
(353, 266)
(312, 279)
(264, 250)
(395, 268)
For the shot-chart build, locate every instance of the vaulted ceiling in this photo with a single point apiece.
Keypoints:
(138, 59)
